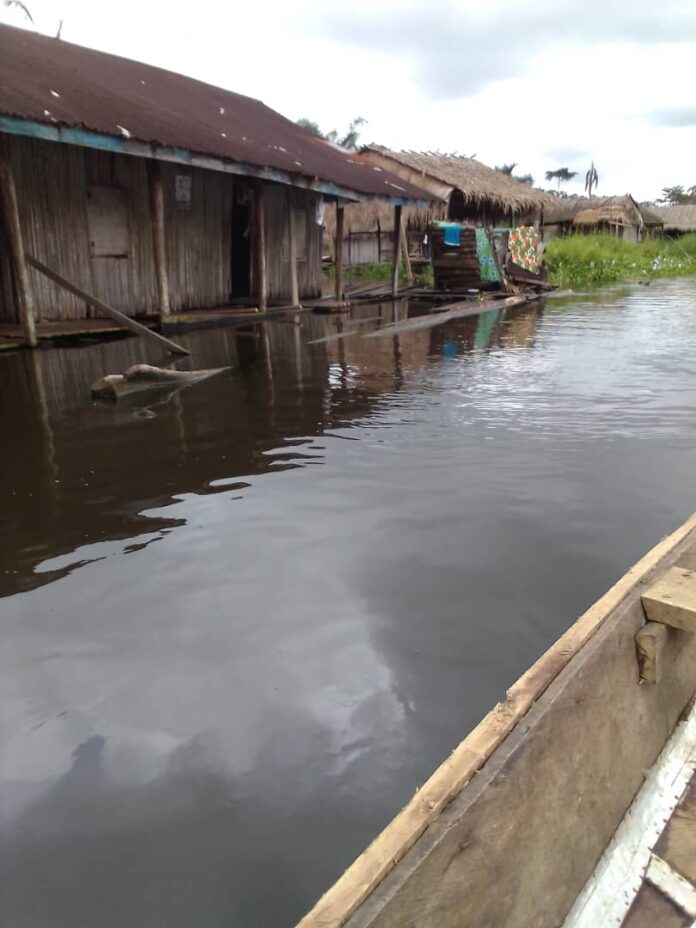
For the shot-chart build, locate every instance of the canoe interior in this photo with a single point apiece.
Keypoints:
(559, 763)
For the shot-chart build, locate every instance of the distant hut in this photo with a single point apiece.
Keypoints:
(154, 192)
(465, 190)
(621, 216)
(677, 220)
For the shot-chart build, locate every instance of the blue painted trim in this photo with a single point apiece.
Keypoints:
(111, 143)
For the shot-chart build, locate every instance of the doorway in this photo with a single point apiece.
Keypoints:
(240, 268)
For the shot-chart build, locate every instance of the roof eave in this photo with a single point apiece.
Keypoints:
(69, 135)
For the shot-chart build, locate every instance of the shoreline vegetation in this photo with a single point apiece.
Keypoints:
(596, 260)
(581, 261)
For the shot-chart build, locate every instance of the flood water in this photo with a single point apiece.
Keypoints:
(241, 624)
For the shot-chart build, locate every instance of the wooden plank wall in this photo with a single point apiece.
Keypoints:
(198, 238)
(53, 181)
(308, 237)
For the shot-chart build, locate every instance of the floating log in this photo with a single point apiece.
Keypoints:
(146, 377)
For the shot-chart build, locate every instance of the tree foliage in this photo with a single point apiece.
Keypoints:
(509, 169)
(561, 176)
(348, 139)
(678, 194)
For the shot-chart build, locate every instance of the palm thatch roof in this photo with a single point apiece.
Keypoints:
(679, 218)
(593, 211)
(477, 182)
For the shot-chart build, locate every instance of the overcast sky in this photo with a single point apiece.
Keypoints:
(547, 83)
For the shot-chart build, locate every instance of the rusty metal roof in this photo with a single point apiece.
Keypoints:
(58, 84)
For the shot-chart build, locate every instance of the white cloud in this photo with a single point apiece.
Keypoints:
(542, 84)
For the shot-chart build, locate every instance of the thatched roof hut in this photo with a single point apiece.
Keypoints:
(463, 190)
(678, 219)
(461, 182)
(621, 215)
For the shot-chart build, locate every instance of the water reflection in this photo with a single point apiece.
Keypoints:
(240, 629)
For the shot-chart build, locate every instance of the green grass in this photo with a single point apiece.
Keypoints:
(381, 273)
(594, 260)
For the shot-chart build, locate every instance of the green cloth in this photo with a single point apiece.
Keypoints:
(487, 266)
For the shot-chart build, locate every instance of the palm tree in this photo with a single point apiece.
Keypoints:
(591, 179)
(562, 175)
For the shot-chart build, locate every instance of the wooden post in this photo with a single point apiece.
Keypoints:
(158, 237)
(396, 240)
(339, 253)
(260, 227)
(8, 202)
(379, 242)
(292, 241)
(404, 251)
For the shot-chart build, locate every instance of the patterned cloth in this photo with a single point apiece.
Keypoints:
(487, 266)
(522, 247)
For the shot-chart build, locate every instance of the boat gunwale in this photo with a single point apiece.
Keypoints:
(368, 871)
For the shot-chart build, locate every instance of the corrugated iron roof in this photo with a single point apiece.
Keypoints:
(46, 80)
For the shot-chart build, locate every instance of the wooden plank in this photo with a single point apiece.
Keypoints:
(371, 869)
(651, 909)
(260, 249)
(338, 253)
(651, 641)
(159, 237)
(677, 844)
(672, 884)
(448, 314)
(672, 599)
(618, 874)
(10, 210)
(125, 321)
(396, 241)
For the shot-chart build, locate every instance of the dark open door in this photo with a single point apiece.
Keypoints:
(241, 242)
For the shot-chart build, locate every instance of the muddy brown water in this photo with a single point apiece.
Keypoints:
(243, 622)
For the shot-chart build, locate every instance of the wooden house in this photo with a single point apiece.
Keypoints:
(677, 220)
(622, 216)
(154, 192)
(463, 190)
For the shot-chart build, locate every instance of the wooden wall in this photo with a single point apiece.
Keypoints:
(278, 202)
(61, 190)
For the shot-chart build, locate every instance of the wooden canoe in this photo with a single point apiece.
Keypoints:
(508, 831)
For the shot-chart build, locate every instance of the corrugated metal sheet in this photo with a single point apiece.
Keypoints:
(49, 81)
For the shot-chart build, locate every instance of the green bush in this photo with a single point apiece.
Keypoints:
(593, 260)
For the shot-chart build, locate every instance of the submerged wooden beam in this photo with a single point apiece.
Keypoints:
(672, 599)
(10, 211)
(396, 242)
(158, 236)
(260, 250)
(338, 262)
(105, 308)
